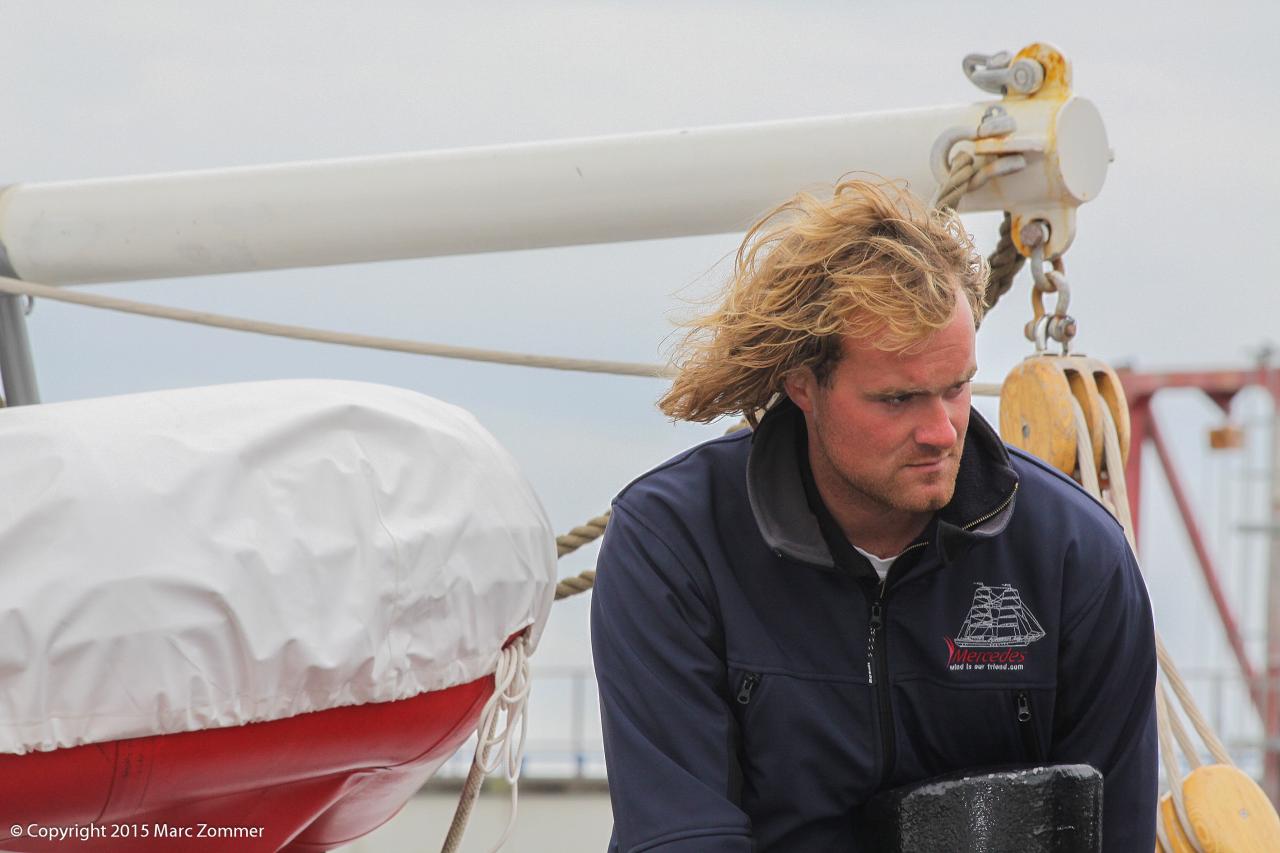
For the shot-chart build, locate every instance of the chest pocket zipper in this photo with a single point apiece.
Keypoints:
(749, 682)
(1026, 727)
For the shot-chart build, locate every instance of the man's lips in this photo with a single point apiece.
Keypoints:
(930, 464)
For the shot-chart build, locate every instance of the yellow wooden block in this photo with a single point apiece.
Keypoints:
(1229, 812)
(1035, 412)
(1036, 408)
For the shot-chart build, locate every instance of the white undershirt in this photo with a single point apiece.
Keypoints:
(880, 564)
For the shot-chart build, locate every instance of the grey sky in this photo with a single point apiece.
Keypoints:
(1169, 266)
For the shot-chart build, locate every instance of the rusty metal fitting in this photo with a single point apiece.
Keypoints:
(1035, 233)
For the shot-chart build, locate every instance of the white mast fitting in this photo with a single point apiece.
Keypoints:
(609, 189)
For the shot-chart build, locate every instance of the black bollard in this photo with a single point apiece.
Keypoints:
(1034, 810)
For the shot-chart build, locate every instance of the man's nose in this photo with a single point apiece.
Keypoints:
(935, 428)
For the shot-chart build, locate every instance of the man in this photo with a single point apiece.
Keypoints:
(869, 589)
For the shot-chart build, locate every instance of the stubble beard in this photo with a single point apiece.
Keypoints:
(891, 494)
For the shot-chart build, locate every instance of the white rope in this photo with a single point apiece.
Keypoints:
(303, 333)
(1174, 679)
(1172, 770)
(1168, 725)
(494, 749)
(1115, 472)
(1163, 845)
(1084, 453)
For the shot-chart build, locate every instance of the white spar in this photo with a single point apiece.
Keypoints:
(642, 186)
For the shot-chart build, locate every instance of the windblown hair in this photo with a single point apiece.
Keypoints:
(871, 262)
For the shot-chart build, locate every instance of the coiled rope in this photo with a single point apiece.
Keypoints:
(497, 749)
(968, 172)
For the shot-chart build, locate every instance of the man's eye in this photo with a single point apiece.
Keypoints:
(898, 400)
(956, 390)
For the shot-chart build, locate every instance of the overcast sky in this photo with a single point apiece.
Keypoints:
(1172, 265)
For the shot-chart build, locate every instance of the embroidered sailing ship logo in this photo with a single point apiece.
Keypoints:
(998, 621)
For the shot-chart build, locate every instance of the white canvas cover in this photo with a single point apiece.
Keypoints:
(207, 557)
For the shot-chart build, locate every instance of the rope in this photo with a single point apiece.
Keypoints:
(588, 532)
(1169, 725)
(1169, 760)
(303, 333)
(1198, 722)
(1120, 494)
(1005, 261)
(575, 584)
(510, 697)
(964, 168)
(569, 542)
(1084, 452)
(1188, 747)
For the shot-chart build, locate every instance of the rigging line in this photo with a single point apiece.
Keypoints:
(281, 330)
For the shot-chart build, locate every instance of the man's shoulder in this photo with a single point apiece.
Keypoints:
(686, 480)
(1057, 506)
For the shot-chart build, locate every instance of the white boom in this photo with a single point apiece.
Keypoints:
(650, 185)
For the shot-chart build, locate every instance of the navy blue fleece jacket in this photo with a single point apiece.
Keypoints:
(759, 684)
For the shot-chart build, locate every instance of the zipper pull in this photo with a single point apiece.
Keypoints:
(749, 682)
(877, 621)
(1024, 708)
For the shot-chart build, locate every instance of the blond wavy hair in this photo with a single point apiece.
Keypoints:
(872, 262)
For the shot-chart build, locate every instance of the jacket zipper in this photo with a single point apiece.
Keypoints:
(994, 512)
(749, 682)
(878, 662)
(878, 678)
(1026, 727)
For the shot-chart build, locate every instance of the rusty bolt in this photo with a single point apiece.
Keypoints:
(1034, 233)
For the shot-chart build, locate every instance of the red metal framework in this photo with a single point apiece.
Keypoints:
(1220, 386)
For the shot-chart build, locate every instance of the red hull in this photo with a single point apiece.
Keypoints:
(308, 783)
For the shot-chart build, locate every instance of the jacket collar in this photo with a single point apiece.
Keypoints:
(981, 507)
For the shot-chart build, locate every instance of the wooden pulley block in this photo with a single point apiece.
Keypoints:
(1037, 415)
(1035, 412)
(1229, 812)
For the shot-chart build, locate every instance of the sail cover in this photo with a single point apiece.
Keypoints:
(191, 559)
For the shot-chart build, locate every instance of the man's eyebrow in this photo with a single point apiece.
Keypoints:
(886, 393)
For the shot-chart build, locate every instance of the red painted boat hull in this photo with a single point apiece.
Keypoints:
(308, 783)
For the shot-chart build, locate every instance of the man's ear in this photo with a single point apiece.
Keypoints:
(801, 386)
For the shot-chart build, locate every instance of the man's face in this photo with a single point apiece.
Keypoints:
(887, 429)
